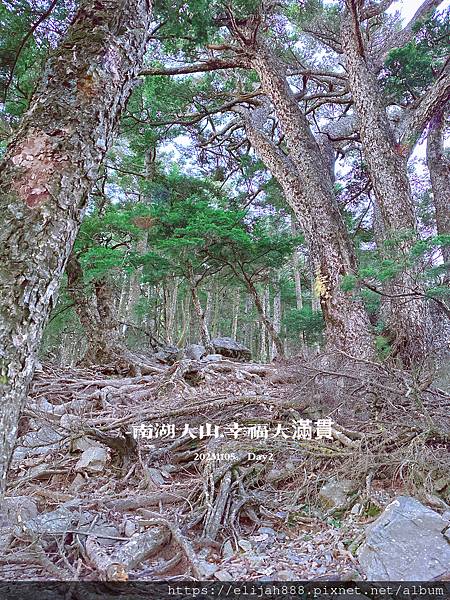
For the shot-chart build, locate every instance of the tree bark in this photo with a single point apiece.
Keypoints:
(407, 316)
(439, 169)
(45, 178)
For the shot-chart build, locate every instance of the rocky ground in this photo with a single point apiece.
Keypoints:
(122, 478)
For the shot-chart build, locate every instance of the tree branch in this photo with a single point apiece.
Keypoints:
(215, 64)
(400, 38)
(433, 100)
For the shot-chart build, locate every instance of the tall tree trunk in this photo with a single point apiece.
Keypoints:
(276, 317)
(185, 314)
(123, 302)
(235, 315)
(296, 270)
(98, 318)
(209, 307)
(248, 327)
(141, 243)
(172, 312)
(305, 180)
(263, 354)
(407, 317)
(45, 178)
(265, 320)
(135, 282)
(439, 169)
(200, 313)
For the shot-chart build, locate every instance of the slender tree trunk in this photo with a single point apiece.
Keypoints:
(200, 313)
(407, 317)
(296, 270)
(172, 312)
(248, 329)
(439, 169)
(216, 308)
(276, 317)
(135, 282)
(235, 315)
(185, 321)
(265, 320)
(45, 178)
(141, 244)
(263, 355)
(209, 308)
(123, 303)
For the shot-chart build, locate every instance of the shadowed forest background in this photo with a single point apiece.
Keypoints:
(223, 204)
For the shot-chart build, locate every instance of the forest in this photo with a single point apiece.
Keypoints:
(224, 292)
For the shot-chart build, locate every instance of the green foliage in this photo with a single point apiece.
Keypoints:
(188, 25)
(348, 283)
(305, 321)
(409, 70)
(383, 347)
(24, 49)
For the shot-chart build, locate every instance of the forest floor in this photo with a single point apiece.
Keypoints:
(88, 501)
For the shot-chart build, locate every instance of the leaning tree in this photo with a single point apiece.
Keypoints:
(46, 175)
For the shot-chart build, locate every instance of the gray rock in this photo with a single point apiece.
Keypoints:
(356, 509)
(335, 493)
(71, 422)
(245, 545)
(17, 509)
(212, 358)
(36, 443)
(206, 568)
(231, 349)
(93, 459)
(194, 352)
(223, 575)
(296, 558)
(77, 483)
(130, 528)
(268, 530)
(406, 543)
(103, 533)
(286, 575)
(154, 475)
(228, 550)
(168, 355)
(56, 521)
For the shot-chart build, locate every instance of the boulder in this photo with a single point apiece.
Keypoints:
(335, 493)
(194, 352)
(406, 543)
(167, 355)
(231, 349)
(212, 358)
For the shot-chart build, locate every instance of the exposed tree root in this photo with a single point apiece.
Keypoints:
(388, 431)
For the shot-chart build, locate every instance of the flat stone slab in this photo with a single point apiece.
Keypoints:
(408, 542)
